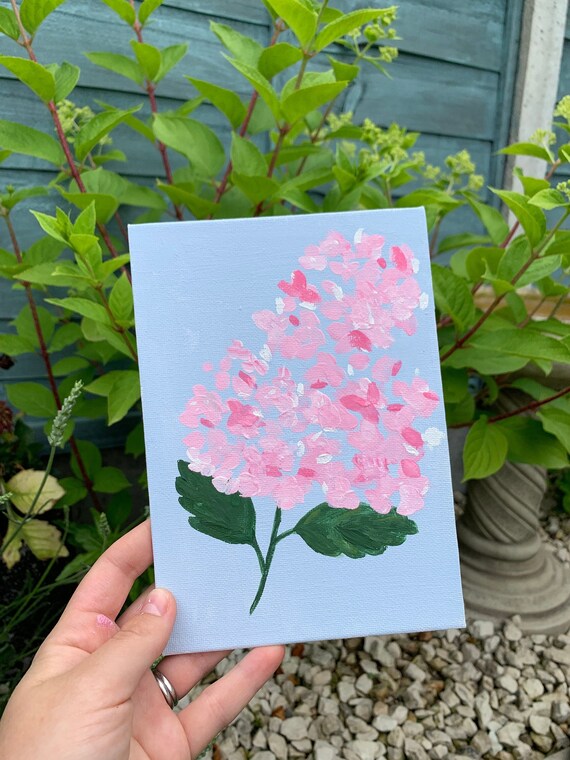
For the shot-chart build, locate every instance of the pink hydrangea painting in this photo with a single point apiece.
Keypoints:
(321, 414)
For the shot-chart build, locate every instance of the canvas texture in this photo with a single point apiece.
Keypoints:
(295, 433)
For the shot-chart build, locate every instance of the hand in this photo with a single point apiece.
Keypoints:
(90, 694)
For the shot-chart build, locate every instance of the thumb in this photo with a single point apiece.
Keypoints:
(122, 661)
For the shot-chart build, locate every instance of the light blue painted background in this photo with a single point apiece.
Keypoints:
(196, 285)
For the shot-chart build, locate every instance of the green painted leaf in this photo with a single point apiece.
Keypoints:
(33, 12)
(84, 307)
(527, 149)
(246, 157)
(301, 102)
(169, 58)
(300, 19)
(342, 26)
(491, 218)
(531, 218)
(110, 480)
(32, 398)
(8, 23)
(260, 84)
(118, 63)
(18, 138)
(96, 128)
(146, 8)
(529, 443)
(123, 9)
(32, 74)
(278, 57)
(148, 57)
(195, 140)
(485, 450)
(244, 48)
(453, 297)
(226, 101)
(548, 199)
(353, 532)
(227, 517)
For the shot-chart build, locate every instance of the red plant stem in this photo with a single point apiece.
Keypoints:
(49, 369)
(490, 309)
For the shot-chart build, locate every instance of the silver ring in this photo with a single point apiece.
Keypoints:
(166, 688)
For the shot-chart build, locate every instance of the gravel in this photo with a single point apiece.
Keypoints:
(487, 692)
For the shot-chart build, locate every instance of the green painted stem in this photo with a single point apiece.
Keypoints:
(268, 560)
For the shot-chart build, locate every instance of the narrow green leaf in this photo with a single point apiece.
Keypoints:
(226, 101)
(148, 58)
(123, 9)
(32, 398)
(244, 48)
(8, 23)
(453, 297)
(353, 532)
(485, 450)
(301, 102)
(278, 57)
(18, 138)
(195, 140)
(146, 8)
(226, 517)
(32, 74)
(260, 84)
(531, 218)
(33, 12)
(96, 128)
(300, 19)
(120, 64)
(342, 26)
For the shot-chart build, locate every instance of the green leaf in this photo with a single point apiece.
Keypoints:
(529, 443)
(343, 72)
(453, 297)
(33, 12)
(527, 149)
(539, 269)
(32, 398)
(531, 185)
(8, 23)
(200, 207)
(256, 188)
(14, 345)
(146, 8)
(522, 343)
(43, 539)
(342, 26)
(353, 532)
(74, 491)
(548, 199)
(244, 48)
(119, 509)
(428, 196)
(301, 102)
(96, 128)
(482, 260)
(260, 84)
(226, 101)
(25, 324)
(557, 422)
(105, 205)
(35, 76)
(169, 57)
(485, 450)
(278, 57)
(227, 517)
(110, 480)
(69, 365)
(483, 361)
(123, 9)
(300, 19)
(195, 140)
(531, 218)
(121, 301)
(12, 200)
(84, 307)
(246, 157)
(134, 443)
(492, 220)
(91, 458)
(26, 484)
(66, 335)
(66, 77)
(148, 58)
(118, 63)
(125, 393)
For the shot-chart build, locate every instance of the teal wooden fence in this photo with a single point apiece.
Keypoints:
(453, 82)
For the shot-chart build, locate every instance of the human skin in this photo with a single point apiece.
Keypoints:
(90, 694)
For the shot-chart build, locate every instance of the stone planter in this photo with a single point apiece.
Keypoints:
(505, 567)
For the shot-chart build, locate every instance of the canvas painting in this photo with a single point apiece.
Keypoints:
(295, 433)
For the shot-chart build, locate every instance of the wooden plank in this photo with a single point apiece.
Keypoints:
(240, 10)
(433, 28)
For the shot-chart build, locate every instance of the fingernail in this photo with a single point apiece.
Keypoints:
(157, 603)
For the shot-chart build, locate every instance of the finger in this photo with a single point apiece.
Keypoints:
(184, 671)
(219, 704)
(106, 586)
(135, 607)
(116, 668)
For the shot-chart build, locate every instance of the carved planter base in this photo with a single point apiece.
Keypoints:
(506, 569)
